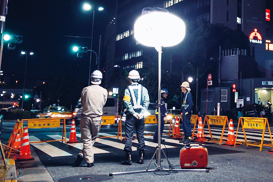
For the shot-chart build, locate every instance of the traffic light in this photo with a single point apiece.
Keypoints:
(13, 40)
(233, 87)
(80, 50)
(26, 96)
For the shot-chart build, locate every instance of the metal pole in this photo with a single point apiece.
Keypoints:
(196, 91)
(158, 156)
(3, 14)
(91, 48)
(24, 81)
(98, 60)
(207, 100)
(219, 82)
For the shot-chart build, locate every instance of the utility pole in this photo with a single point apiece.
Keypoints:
(98, 63)
(219, 82)
(3, 13)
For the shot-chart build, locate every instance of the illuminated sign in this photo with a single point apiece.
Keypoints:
(268, 45)
(267, 14)
(255, 37)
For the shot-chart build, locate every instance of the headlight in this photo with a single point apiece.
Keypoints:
(169, 117)
(146, 113)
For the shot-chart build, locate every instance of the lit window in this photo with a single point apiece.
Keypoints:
(175, 1)
(223, 95)
(239, 20)
(271, 47)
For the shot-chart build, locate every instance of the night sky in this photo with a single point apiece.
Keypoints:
(48, 27)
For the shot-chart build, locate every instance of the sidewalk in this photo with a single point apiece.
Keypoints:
(28, 171)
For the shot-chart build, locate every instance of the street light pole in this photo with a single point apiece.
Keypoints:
(24, 86)
(91, 47)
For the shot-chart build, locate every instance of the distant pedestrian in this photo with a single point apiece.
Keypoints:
(259, 101)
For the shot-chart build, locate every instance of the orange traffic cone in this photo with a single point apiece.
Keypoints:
(200, 132)
(176, 133)
(270, 151)
(72, 136)
(17, 143)
(25, 148)
(231, 137)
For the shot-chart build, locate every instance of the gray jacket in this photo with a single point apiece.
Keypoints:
(93, 98)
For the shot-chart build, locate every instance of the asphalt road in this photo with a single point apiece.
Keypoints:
(54, 160)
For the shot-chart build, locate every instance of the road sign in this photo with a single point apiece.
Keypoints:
(209, 76)
(209, 82)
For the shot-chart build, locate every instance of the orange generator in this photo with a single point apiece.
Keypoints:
(194, 156)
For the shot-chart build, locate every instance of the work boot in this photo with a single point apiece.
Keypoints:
(78, 161)
(128, 159)
(188, 141)
(90, 164)
(141, 157)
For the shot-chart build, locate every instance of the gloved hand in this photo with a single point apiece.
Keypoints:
(136, 115)
(186, 113)
(140, 116)
(165, 118)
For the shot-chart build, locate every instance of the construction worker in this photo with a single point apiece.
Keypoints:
(163, 108)
(93, 98)
(136, 100)
(186, 111)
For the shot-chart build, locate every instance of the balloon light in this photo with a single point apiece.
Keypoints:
(159, 29)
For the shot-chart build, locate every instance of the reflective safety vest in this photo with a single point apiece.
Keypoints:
(136, 101)
(185, 105)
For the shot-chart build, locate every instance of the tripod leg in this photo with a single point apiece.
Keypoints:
(152, 159)
(170, 165)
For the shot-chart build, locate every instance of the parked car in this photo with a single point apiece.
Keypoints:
(55, 112)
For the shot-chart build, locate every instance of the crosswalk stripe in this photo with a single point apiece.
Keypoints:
(48, 149)
(109, 142)
(78, 145)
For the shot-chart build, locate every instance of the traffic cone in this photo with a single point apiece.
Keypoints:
(231, 136)
(270, 151)
(200, 132)
(177, 129)
(25, 148)
(17, 143)
(72, 136)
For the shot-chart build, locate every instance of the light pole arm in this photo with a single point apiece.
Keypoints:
(95, 54)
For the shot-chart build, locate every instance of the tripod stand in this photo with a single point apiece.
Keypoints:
(158, 148)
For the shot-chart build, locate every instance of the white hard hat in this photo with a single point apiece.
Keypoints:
(134, 75)
(96, 77)
(185, 84)
(96, 74)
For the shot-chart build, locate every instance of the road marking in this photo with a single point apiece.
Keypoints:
(78, 145)
(49, 149)
(109, 142)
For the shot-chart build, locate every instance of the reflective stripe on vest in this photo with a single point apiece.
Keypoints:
(136, 102)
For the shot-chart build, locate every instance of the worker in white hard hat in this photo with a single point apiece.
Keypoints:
(93, 98)
(186, 111)
(136, 100)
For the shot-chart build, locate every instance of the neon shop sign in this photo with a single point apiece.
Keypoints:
(255, 37)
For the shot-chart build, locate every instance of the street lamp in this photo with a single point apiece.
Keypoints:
(88, 7)
(25, 53)
(190, 79)
(158, 28)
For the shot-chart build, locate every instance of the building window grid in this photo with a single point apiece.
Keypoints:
(224, 95)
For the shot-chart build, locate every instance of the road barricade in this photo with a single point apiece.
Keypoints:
(40, 123)
(254, 123)
(218, 121)
(111, 120)
(151, 119)
(194, 118)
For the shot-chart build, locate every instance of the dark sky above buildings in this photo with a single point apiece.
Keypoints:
(48, 27)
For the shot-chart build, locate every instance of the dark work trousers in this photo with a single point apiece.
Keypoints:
(161, 128)
(131, 124)
(187, 125)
